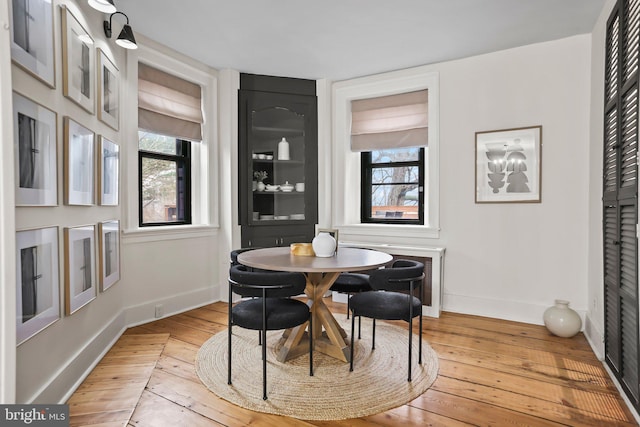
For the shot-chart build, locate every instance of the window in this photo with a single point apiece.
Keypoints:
(164, 165)
(169, 122)
(392, 190)
(378, 96)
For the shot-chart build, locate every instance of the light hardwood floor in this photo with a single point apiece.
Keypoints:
(492, 372)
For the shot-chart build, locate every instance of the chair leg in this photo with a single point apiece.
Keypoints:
(360, 327)
(264, 364)
(410, 338)
(229, 355)
(353, 324)
(420, 342)
(348, 304)
(310, 346)
(373, 341)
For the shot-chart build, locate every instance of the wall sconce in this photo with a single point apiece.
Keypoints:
(126, 38)
(104, 6)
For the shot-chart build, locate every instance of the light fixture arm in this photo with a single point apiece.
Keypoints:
(107, 24)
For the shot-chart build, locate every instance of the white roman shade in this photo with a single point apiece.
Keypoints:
(392, 121)
(169, 105)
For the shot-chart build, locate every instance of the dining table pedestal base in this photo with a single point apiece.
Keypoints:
(328, 335)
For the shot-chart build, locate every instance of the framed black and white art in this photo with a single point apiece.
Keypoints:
(77, 62)
(35, 153)
(37, 272)
(109, 243)
(108, 91)
(80, 271)
(509, 165)
(32, 38)
(108, 172)
(79, 159)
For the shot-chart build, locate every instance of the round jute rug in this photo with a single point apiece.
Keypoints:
(377, 383)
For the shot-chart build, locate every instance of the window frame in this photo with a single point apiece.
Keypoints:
(366, 186)
(206, 177)
(183, 161)
(344, 166)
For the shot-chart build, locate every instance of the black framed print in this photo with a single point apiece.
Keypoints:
(32, 38)
(35, 153)
(37, 281)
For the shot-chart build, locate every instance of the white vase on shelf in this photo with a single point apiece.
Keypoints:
(260, 186)
(324, 245)
(283, 149)
(561, 320)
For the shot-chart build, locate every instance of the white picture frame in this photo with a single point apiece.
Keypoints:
(508, 165)
(79, 161)
(108, 91)
(37, 281)
(80, 267)
(32, 47)
(108, 172)
(109, 244)
(35, 153)
(78, 77)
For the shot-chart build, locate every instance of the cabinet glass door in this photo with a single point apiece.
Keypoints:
(278, 155)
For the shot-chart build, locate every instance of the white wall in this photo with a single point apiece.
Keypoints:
(594, 325)
(177, 269)
(511, 261)
(7, 223)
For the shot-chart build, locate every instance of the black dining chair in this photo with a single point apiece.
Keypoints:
(233, 255)
(268, 308)
(351, 283)
(387, 302)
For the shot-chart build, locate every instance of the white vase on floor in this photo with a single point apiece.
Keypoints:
(324, 245)
(561, 320)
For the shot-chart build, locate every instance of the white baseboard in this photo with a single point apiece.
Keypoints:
(63, 383)
(594, 336)
(517, 311)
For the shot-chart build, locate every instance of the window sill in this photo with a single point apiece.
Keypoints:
(168, 232)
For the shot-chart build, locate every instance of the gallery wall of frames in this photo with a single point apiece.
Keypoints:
(66, 122)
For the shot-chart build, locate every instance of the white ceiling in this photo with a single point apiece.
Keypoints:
(341, 39)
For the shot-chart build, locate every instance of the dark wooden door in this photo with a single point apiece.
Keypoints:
(620, 194)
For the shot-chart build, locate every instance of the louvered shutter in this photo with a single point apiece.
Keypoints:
(620, 188)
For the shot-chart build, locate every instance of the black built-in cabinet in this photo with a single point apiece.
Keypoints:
(270, 109)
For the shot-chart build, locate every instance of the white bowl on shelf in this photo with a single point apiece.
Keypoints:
(266, 217)
(271, 187)
(296, 216)
(281, 217)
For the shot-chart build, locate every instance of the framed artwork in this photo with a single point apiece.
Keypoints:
(109, 244)
(77, 62)
(37, 274)
(35, 153)
(79, 158)
(108, 91)
(32, 38)
(508, 165)
(79, 272)
(108, 172)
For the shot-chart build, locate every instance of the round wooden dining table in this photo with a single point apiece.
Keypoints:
(328, 335)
